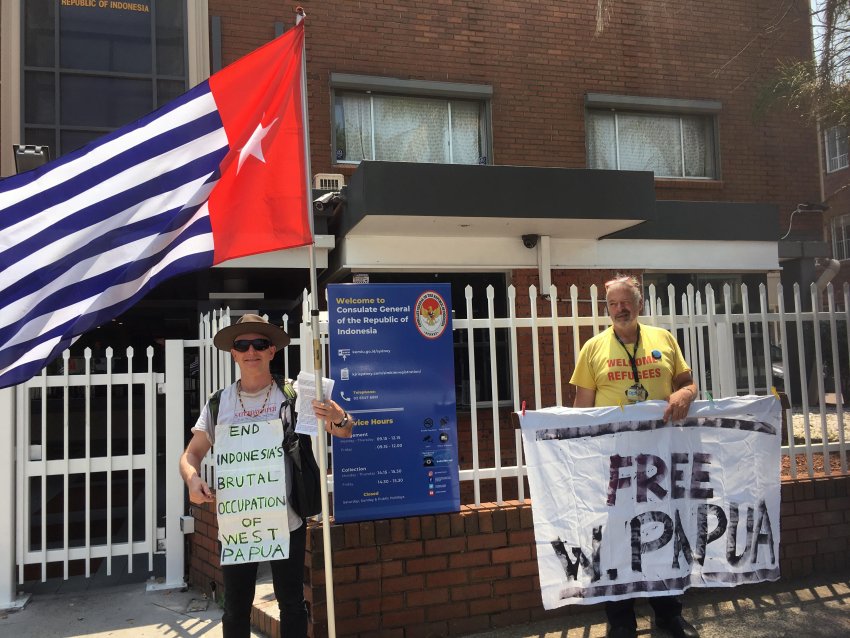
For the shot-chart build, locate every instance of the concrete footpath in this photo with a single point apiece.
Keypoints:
(816, 607)
(119, 611)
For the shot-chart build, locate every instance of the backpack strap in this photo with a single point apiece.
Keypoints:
(214, 402)
(289, 396)
(285, 386)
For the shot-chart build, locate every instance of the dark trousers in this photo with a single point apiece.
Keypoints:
(622, 612)
(288, 578)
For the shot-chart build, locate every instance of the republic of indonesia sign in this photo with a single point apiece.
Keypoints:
(393, 369)
(626, 505)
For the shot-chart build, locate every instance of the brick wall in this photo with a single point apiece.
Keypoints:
(474, 570)
(542, 59)
(441, 575)
(815, 526)
(203, 561)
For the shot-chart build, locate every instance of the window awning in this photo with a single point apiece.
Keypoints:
(451, 200)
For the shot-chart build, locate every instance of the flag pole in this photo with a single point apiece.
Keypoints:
(317, 346)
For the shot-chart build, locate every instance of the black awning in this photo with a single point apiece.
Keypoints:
(407, 190)
(710, 221)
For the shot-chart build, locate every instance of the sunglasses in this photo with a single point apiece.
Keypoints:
(242, 345)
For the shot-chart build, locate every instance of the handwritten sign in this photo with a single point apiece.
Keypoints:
(251, 492)
(627, 505)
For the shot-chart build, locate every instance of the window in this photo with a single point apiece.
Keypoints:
(384, 119)
(88, 70)
(667, 145)
(672, 138)
(835, 142)
(841, 237)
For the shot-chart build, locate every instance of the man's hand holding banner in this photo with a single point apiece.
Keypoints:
(626, 505)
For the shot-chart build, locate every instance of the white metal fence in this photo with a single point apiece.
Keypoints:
(736, 345)
(74, 482)
(732, 349)
(85, 476)
(737, 351)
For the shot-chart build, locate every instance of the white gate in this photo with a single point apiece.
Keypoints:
(85, 478)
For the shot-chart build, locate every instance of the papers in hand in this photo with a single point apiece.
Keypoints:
(305, 386)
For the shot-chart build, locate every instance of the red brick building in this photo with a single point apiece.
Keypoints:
(479, 142)
(669, 92)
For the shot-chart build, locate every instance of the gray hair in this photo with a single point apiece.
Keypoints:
(625, 280)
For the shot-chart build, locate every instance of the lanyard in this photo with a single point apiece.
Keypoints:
(629, 354)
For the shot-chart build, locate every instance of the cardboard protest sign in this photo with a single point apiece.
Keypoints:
(626, 505)
(250, 485)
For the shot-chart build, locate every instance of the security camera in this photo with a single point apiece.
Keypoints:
(530, 241)
(324, 200)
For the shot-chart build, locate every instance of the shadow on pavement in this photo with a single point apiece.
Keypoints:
(814, 607)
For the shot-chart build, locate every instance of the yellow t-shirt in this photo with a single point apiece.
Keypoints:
(604, 367)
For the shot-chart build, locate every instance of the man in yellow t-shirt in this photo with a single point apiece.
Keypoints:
(604, 365)
(629, 363)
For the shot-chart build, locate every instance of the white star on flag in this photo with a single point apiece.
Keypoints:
(254, 146)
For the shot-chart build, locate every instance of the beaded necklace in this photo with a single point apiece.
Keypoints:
(253, 413)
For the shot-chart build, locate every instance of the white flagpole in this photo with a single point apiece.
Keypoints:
(317, 348)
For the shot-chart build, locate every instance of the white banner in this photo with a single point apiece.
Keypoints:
(626, 505)
(250, 481)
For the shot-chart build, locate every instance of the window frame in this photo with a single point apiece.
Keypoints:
(447, 91)
(660, 107)
(832, 138)
(56, 129)
(840, 245)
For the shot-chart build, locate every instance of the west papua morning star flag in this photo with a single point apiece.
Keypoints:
(625, 505)
(218, 173)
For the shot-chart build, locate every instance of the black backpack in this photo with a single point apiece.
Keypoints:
(306, 493)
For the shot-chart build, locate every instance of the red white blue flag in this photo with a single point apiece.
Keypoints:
(217, 174)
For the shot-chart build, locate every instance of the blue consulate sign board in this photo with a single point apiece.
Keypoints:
(391, 360)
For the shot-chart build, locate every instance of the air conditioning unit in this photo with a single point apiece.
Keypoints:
(328, 181)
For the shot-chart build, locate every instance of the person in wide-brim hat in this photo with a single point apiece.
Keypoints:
(260, 401)
(250, 324)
